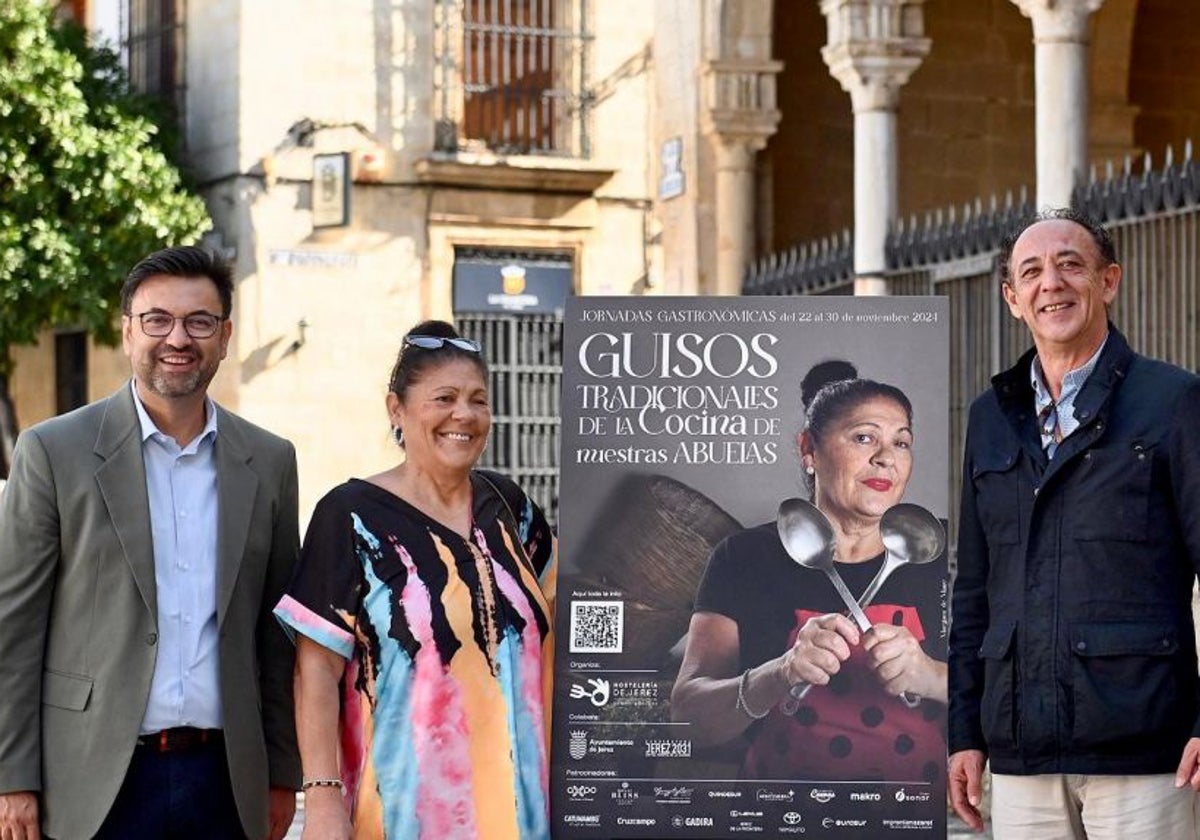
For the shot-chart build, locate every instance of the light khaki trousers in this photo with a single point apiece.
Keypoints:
(1085, 807)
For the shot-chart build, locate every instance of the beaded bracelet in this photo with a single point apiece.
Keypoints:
(741, 698)
(312, 783)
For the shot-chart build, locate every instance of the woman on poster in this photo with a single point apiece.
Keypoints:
(424, 644)
(763, 625)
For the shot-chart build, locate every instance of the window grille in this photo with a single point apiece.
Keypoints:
(524, 356)
(511, 76)
(153, 33)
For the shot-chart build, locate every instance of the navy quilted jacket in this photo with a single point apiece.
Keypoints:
(1072, 648)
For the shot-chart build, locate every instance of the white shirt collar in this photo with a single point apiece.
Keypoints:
(149, 429)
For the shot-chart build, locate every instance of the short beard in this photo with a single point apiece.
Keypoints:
(173, 386)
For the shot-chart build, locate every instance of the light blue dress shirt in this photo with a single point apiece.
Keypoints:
(182, 487)
(1063, 410)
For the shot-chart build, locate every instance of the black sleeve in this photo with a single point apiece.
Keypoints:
(969, 620)
(323, 599)
(720, 589)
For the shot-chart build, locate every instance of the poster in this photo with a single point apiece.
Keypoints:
(680, 608)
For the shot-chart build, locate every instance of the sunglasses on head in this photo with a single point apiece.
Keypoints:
(436, 342)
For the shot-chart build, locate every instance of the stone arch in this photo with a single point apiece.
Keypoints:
(966, 122)
(965, 125)
(807, 171)
(1111, 114)
(1164, 77)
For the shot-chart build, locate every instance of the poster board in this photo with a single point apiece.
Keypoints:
(681, 427)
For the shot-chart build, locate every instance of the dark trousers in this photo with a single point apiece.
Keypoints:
(184, 795)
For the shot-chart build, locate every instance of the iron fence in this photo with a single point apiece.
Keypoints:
(813, 268)
(1152, 213)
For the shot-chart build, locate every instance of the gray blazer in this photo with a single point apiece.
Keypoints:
(78, 615)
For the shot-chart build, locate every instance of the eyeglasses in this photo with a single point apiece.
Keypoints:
(436, 342)
(196, 325)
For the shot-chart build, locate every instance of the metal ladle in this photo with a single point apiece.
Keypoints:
(910, 534)
(808, 539)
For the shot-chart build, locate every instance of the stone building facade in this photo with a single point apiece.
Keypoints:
(632, 146)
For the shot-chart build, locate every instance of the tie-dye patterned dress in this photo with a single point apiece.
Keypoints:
(448, 647)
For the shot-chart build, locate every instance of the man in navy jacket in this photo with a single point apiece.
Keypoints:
(1072, 654)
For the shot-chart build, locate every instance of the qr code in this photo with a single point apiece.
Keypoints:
(597, 626)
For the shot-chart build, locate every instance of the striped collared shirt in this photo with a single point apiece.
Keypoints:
(1056, 418)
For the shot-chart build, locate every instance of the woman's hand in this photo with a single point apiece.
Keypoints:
(821, 646)
(324, 815)
(713, 693)
(896, 657)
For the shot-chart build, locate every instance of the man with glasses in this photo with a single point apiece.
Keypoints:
(145, 689)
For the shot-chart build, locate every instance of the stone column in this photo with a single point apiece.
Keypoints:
(740, 116)
(1060, 30)
(735, 212)
(873, 47)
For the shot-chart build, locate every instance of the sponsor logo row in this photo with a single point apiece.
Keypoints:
(775, 811)
(791, 822)
(824, 795)
(685, 795)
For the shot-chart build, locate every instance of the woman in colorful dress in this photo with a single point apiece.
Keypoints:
(764, 624)
(422, 612)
